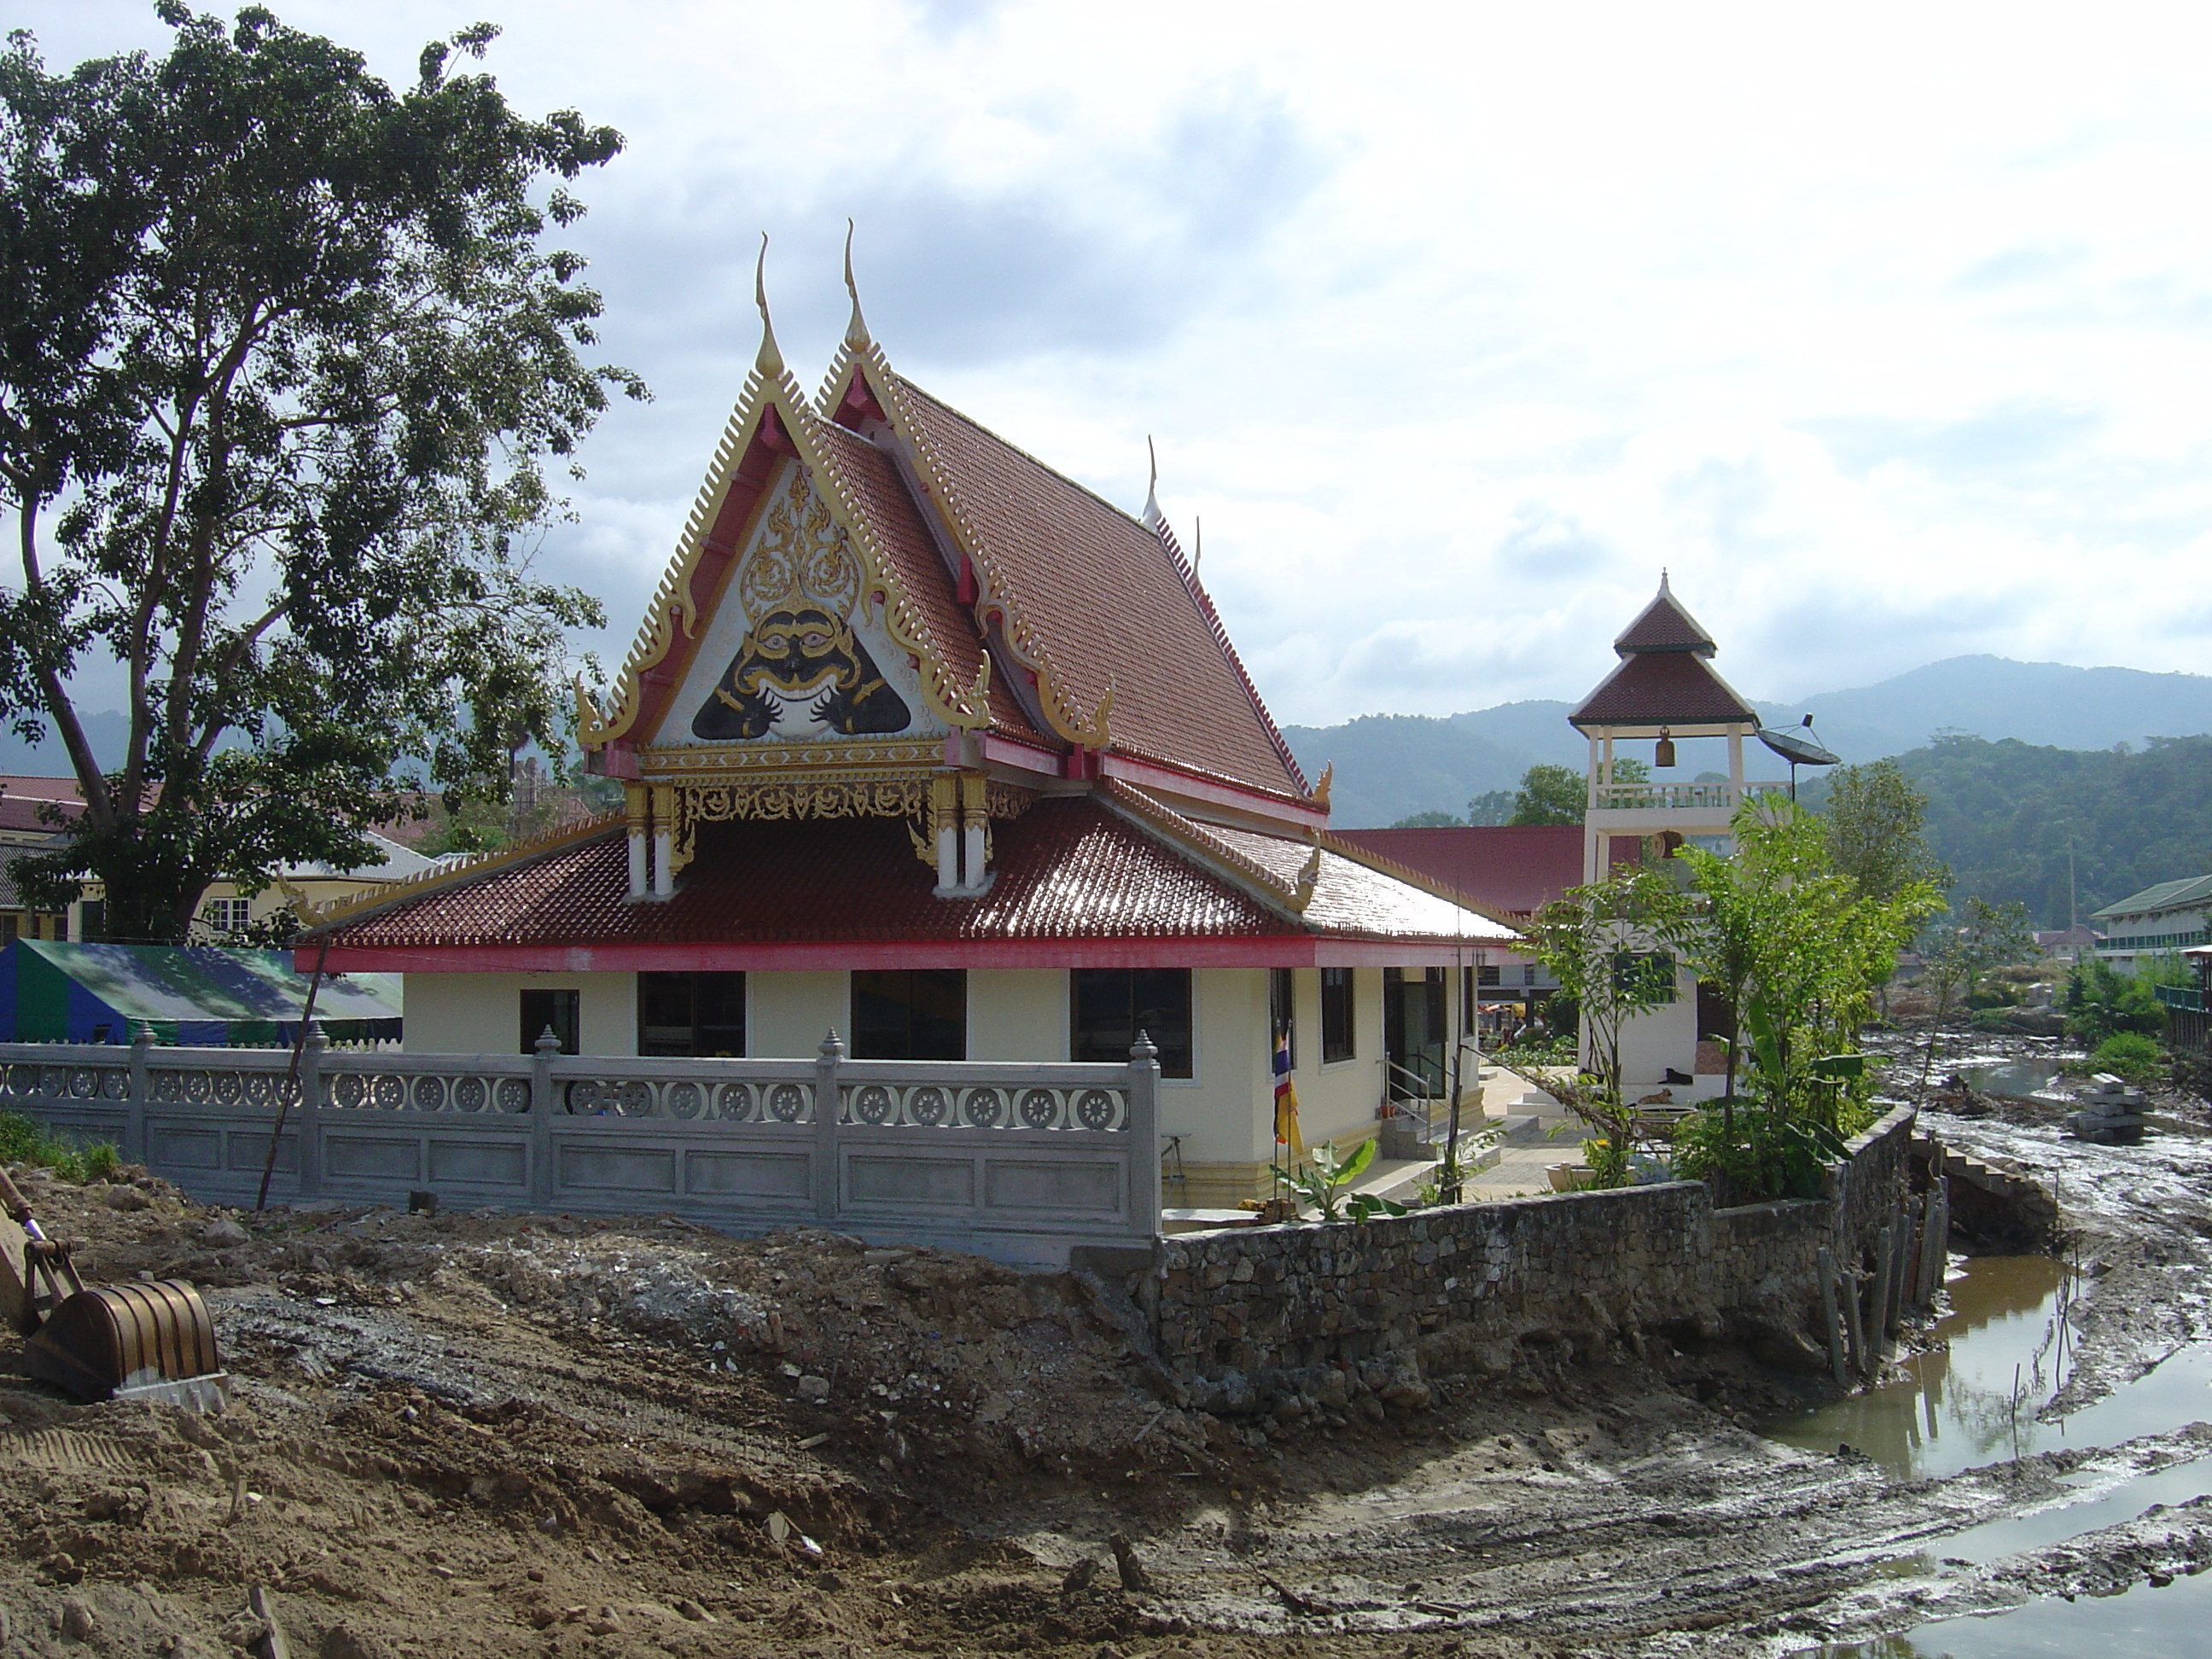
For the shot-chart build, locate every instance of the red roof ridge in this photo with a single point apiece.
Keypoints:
(1204, 600)
(458, 872)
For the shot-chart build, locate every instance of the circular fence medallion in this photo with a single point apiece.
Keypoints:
(984, 1108)
(115, 1085)
(429, 1094)
(229, 1088)
(733, 1101)
(168, 1086)
(387, 1092)
(261, 1087)
(470, 1094)
(872, 1103)
(634, 1099)
(348, 1089)
(787, 1101)
(925, 1106)
(587, 1098)
(54, 1080)
(22, 1080)
(1095, 1110)
(682, 1100)
(197, 1087)
(514, 1095)
(1040, 1109)
(84, 1083)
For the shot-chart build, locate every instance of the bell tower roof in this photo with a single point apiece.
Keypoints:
(1664, 625)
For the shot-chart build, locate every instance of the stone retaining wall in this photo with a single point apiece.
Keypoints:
(1240, 1314)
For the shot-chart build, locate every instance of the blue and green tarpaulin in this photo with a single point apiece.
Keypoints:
(198, 995)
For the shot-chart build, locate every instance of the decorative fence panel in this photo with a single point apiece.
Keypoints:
(1016, 1161)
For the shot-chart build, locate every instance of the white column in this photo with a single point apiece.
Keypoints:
(636, 799)
(664, 841)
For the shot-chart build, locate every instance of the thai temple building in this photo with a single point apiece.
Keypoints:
(1666, 692)
(925, 743)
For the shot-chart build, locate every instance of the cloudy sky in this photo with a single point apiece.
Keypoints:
(1887, 328)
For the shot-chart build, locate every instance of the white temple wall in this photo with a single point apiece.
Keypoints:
(482, 1013)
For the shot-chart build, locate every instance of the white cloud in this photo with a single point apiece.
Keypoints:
(1884, 328)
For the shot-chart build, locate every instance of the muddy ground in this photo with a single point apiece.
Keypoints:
(508, 1434)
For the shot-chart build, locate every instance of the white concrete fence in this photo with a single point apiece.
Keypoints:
(1021, 1162)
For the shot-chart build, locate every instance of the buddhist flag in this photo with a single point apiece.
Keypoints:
(1286, 1095)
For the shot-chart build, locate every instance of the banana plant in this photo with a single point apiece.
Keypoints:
(1321, 1180)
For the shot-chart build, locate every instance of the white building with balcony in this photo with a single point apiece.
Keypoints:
(2161, 921)
(1666, 693)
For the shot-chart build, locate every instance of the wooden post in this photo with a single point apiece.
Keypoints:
(1829, 1315)
(1849, 1287)
(827, 1178)
(1143, 1123)
(1885, 1262)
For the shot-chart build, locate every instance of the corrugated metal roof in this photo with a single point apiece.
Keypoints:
(2193, 892)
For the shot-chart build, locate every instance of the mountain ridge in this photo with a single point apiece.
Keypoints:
(1391, 766)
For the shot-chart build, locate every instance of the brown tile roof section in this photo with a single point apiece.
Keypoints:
(1106, 601)
(1656, 687)
(1665, 626)
(1066, 869)
(872, 481)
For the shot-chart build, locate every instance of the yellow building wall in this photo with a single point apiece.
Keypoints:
(1017, 1014)
(788, 1014)
(482, 1013)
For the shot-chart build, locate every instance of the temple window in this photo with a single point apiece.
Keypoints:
(1111, 1006)
(558, 1012)
(1336, 1015)
(910, 1013)
(680, 1014)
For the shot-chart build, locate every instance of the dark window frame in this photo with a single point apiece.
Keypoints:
(1106, 1033)
(1283, 1012)
(1339, 1016)
(872, 1033)
(561, 1008)
(704, 1036)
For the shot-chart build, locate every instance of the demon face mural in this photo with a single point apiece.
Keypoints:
(802, 669)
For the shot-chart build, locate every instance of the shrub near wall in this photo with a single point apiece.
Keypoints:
(1242, 1313)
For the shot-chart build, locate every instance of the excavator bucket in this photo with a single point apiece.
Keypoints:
(139, 1341)
(136, 1341)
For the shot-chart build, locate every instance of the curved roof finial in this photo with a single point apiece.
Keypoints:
(1663, 588)
(856, 330)
(1153, 518)
(769, 362)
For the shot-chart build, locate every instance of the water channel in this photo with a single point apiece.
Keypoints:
(2010, 1350)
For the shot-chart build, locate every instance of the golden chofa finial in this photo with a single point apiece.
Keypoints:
(1152, 517)
(769, 362)
(856, 330)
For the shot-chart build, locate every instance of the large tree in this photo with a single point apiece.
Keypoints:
(283, 360)
(1876, 820)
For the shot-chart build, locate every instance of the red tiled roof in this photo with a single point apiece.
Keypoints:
(1103, 597)
(1070, 870)
(1508, 868)
(21, 797)
(1654, 688)
(1665, 626)
(872, 481)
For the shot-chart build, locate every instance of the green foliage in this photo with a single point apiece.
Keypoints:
(25, 1140)
(285, 367)
(1427, 821)
(1550, 794)
(2004, 815)
(2100, 1002)
(1754, 1157)
(1531, 1049)
(1492, 806)
(1321, 1179)
(2131, 1055)
(1875, 818)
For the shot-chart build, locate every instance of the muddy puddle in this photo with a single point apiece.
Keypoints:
(1977, 1402)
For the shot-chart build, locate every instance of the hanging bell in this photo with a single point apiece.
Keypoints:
(1663, 753)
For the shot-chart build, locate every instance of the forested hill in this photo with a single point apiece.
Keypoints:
(2000, 815)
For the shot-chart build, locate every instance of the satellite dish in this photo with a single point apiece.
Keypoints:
(1798, 748)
